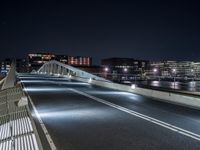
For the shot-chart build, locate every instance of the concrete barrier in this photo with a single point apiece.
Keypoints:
(170, 97)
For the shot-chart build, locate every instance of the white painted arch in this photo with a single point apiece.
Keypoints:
(57, 68)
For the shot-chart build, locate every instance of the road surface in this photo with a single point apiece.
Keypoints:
(79, 116)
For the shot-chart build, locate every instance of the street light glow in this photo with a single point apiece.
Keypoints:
(125, 69)
(174, 70)
(155, 70)
(106, 69)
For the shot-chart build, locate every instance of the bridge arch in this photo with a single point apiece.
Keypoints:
(57, 68)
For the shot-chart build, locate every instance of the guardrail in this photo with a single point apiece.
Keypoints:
(17, 128)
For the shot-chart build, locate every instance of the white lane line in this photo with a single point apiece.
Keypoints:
(49, 139)
(142, 116)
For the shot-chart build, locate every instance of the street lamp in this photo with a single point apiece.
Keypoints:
(193, 74)
(125, 69)
(106, 69)
(155, 70)
(174, 72)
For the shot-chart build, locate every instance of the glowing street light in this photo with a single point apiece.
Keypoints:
(125, 69)
(174, 70)
(106, 69)
(155, 70)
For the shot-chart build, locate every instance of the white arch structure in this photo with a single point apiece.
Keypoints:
(57, 68)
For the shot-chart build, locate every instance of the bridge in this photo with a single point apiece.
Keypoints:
(72, 109)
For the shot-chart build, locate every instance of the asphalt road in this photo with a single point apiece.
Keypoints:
(79, 116)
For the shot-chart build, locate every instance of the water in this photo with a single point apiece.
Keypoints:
(192, 86)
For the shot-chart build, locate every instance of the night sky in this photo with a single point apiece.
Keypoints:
(142, 29)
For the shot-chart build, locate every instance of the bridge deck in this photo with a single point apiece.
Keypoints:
(80, 116)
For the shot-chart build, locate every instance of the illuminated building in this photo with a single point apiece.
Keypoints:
(123, 69)
(5, 66)
(35, 61)
(21, 65)
(75, 60)
(176, 68)
(62, 58)
(121, 65)
(79, 60)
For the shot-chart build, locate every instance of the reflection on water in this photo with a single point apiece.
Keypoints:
(155, 83)
(187, 86)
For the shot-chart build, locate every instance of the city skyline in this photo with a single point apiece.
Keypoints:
(153, 30)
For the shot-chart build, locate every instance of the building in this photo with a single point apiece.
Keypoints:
(62, 58)
(21, 65)
(5, 66)
(35, 61)
(124, 68)
(122, 65)
(74, 60)
(79, 60)
(175, 68)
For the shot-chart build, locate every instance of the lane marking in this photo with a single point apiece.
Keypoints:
(142, 116)
(49, 139)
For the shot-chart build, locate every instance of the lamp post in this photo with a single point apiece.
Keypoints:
(125, 71)
(106, 69)
(193, 74)
(174, 72)
(155, 71)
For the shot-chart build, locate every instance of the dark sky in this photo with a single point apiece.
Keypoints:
(142, 29)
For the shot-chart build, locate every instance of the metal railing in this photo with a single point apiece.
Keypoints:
(17, 128)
